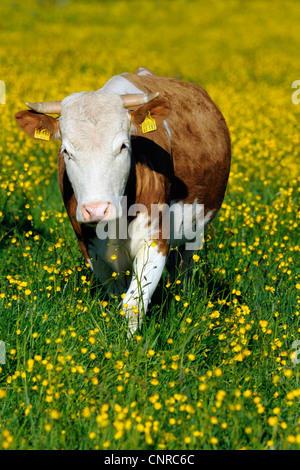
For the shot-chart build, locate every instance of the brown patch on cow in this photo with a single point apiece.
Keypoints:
(200, 143)
(152, 172)
(162, 246)
(150, 181)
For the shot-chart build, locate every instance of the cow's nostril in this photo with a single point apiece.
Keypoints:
(95, 212)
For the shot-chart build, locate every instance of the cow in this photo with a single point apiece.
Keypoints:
(150, 140)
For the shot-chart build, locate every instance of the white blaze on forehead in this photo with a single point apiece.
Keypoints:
(96, 140)
(92, 118)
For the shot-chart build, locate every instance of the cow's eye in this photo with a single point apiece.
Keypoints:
(124, 146)
(119, 146)
(67, 154)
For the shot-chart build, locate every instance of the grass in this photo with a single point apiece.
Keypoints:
(214, 366)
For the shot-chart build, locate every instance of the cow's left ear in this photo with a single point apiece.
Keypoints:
(38, 125)
(157, 110)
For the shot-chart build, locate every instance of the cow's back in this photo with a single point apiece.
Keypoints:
(198, 140)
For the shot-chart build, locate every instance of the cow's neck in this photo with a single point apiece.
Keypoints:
(151, 173)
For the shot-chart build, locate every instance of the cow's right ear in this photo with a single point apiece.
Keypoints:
(38, 126)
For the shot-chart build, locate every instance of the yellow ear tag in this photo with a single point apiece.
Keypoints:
(42, 134)
(149, 124)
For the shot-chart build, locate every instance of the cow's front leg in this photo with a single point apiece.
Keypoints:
(148, 267)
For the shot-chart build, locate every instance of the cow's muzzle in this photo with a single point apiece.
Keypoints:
(96, 211)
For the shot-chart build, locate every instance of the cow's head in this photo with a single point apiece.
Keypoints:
(95, 129)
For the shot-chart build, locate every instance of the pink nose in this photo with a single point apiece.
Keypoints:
(96, 211)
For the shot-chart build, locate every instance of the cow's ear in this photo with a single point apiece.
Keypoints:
(156, 110)
(38, 126)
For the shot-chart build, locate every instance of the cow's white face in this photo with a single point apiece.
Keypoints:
(95, 133)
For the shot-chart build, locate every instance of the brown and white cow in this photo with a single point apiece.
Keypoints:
(153, 140)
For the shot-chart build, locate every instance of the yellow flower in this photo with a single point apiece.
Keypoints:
(55, 414)
(220, 395)
(239, 357)
(3, 393)
(86, 412)
(154, 382)
(272, 420)
(202, 387)
(215, 314)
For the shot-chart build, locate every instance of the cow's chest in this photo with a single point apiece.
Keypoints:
(112, 250)
(111, 263)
